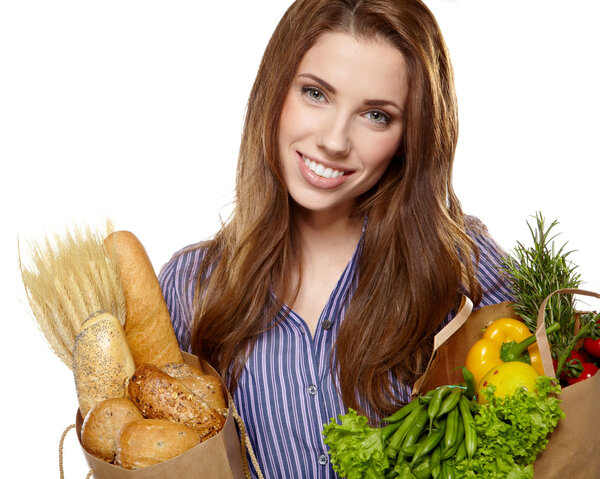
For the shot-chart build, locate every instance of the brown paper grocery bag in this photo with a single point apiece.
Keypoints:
(451, 344)
(219, 457)
(574, 447)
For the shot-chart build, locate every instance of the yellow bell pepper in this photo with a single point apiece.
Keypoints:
(504, 340)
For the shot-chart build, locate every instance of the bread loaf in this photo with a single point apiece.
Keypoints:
(102, 361)
(159, 396)
(148, 323)
(205, 386)
(102, 425)
(149, 441)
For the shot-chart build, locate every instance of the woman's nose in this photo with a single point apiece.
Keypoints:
(334, 137)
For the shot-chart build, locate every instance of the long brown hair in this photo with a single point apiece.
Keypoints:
(415, 255)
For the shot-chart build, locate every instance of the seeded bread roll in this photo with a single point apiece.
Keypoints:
(102, 361)
(205, 386)
(102, 425)
(147, 442)
(148, 323)
(159, 396)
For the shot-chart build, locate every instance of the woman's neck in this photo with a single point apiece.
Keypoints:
(325, 232)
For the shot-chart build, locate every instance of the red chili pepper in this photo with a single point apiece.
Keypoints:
(589, 370)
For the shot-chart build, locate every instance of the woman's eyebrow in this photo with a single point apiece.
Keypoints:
(320, 81)
(382, 103)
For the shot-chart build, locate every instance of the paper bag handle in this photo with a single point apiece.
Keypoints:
(540, 332)
(466, 307)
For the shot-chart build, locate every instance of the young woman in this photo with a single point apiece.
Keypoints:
(347, 249)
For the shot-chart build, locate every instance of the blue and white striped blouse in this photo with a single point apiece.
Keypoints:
(286, 392)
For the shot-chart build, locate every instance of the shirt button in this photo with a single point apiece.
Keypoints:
(323, 459)
(326, 324)
(312, 389)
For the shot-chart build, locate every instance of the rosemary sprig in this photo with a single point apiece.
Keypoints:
(535, 272)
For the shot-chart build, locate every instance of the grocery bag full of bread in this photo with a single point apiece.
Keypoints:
(145, 408)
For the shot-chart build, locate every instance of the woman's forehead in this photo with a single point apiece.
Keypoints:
(372, 65)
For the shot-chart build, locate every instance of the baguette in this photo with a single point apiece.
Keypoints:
(148, 324)
(102, 361)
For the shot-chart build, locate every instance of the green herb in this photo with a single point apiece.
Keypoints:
(535, 272)
(356, 450)
(512, 431)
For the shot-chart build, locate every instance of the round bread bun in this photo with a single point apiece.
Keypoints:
(147, 442)
(102, 425)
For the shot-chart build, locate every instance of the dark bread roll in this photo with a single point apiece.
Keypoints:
(205, 386)
(159, 396)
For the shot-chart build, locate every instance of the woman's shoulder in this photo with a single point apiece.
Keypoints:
(493, 281)
(183, 266)
(479, 233)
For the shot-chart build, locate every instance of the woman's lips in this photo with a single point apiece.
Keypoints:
(336, 176)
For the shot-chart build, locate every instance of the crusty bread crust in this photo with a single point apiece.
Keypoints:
(205, 386)
(159, 396)
(102, 361)
(102, 425)
(149, 441)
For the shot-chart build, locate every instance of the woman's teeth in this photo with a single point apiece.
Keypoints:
(320, 170)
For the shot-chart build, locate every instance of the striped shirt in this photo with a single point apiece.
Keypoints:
(286, 392)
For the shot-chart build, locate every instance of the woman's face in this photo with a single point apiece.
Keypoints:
(342, 120)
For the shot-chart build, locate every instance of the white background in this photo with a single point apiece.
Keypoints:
(132, 110)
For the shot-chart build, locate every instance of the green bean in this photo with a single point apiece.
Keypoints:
(415, 429)
(426, 445)
(461, 452)
(388, 430)
(451, 401)
(451, 434)
(398, 437)
(408, 451)
(403, 411)
(470, 382)
(470, 434)
(435, 461)
(422, 470)
(448, 453)
(448, 470)
(435, 404)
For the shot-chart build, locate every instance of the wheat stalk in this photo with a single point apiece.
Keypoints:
(68, 279)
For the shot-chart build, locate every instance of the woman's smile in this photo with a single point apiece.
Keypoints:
(322, 174)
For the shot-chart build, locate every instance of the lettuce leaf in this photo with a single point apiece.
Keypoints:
(512, 431)
(356, 450)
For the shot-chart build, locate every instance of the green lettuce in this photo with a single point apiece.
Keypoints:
(512, 431)
(356, 450)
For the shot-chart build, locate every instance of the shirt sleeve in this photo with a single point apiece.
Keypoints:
(177, 280)
(494, 284)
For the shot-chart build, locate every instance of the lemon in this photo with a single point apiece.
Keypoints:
(508, 377)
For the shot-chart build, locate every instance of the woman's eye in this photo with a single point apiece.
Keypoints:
(378, 117)
(313, 93)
